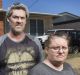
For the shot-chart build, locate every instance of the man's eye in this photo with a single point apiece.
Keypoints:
(15, 17)
(22, 17)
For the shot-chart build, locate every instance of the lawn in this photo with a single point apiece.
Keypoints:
(74, 60)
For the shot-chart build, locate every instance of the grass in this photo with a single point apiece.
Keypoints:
(74, 61)
(73, 55)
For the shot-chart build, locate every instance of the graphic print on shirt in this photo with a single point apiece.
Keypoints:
(19, 60)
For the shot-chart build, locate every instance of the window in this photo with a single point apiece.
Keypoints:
(33, 27)
(36, 27)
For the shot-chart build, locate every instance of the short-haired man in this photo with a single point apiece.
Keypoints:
(19, 51)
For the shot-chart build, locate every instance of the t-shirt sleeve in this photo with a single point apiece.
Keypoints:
(40, 49)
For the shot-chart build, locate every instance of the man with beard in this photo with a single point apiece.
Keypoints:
(19, 52)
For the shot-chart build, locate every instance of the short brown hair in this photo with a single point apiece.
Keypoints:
(58, 34)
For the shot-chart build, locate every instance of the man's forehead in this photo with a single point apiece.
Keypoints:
(19, 12)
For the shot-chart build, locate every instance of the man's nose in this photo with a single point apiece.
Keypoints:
(19, 20)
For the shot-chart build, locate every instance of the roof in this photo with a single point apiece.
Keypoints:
(37, 13)
(65, 16)
(44, 14)
(1, 10)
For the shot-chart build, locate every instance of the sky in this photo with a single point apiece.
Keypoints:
(48, 6)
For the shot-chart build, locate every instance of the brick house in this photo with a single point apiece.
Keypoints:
(67, 21)
(38, 23)
(2, 19)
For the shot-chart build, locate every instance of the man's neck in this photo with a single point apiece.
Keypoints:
(16, 38)
(55, 65)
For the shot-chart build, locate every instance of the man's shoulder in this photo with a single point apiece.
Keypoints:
(2, 38)
(33, 38)
(30, 36)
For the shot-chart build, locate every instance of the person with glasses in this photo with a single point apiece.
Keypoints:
(56, 51)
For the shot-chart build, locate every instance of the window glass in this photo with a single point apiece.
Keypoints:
(36, 27)
(33, 27)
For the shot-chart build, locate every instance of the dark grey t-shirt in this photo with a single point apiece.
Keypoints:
(43, 69)
(16, 58)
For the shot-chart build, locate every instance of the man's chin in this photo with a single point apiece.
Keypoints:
(17, 32)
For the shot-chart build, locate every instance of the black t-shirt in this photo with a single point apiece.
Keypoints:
(16, 58)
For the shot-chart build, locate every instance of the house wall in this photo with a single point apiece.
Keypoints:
(70, 25)
(0, 3)
(46, 19)
(2, 22)
(1, 28)
(48, 23)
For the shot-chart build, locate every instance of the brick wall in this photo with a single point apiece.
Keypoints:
(0, 3)
(1, 28)
(2, 22)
